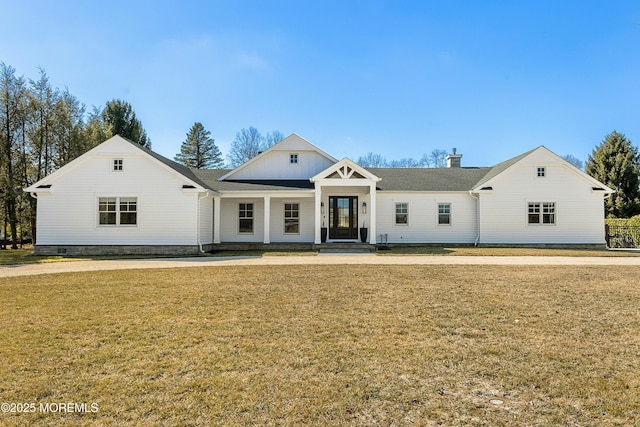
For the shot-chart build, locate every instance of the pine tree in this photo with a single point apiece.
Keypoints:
(199, 150)
(616, 163)
(121, 120)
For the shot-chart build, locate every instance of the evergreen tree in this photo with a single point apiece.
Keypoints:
(616, 163)
(121, 120)
(199, 150)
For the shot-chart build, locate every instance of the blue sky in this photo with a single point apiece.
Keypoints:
(398, 78)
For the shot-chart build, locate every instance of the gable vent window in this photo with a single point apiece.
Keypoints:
(542, 172)
(293, 158)
(118, 165)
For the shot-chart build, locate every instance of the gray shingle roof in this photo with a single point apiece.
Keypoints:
(428, 179)
(392, 179)
(181, 169)
(501, 167)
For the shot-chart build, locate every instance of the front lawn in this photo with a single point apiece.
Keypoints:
(320, 345)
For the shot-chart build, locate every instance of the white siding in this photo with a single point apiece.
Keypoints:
(306, 207)
(69, 214)
(229, 220)
(579, 209)
(275, 165)
(206, 220)
(423, 224)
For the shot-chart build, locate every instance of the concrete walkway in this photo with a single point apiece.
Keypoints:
(324, 259)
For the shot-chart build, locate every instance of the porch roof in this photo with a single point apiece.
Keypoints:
(211, 178)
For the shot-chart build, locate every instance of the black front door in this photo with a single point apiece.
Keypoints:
(343, 217)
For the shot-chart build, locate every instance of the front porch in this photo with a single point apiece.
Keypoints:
(292, 247)
(336, 206)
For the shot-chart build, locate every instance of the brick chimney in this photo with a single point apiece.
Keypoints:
(453, 160)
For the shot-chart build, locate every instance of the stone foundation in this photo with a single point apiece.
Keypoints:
(116, 250)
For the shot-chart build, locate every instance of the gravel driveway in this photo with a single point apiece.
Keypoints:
(323, 259)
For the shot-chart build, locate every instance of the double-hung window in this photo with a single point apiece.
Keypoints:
(291, 218)
(107, 210)
(541, 213)
(128, 210)
(245, 218)
(118, 211)
(402, 213)
(444, 213)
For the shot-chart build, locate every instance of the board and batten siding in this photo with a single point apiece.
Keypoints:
(579, 216)
(423, 224)
(276, 165)
(166, 215)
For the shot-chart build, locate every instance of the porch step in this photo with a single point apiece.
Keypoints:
(345, 248)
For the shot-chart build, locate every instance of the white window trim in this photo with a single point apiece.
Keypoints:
(253, 219)
(117, 224)
(395, 213)
(542, 169)
(113, 164)
(450, 214)
(284, 218)
(541, 215)
(297, 157)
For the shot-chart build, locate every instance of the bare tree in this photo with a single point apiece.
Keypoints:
(372, 160)
(249, 143)
(438, 158)
(574, 161)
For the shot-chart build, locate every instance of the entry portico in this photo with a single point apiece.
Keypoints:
(345, 200)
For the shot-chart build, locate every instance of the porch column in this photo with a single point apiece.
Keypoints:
(216, 219)
(267, 220)
(372, 214)
(318, 214)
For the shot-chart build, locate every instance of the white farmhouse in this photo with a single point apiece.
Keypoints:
(122, 198)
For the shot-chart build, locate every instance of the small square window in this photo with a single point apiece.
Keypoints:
(541, 172)
(118, 165)
(293, 158)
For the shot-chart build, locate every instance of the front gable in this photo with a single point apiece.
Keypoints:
(292, 158)
(542, 169)
(118, 159)
(345, 169)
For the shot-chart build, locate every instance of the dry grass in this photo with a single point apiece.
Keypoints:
(345, 345)
(508, 251)
(23, 256)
